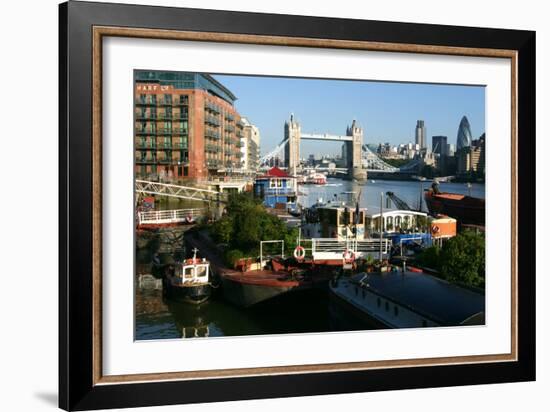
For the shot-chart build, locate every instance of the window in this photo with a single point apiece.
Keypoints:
(356, 291)
(363, 293)
(378, 302)
(424, 323)
(387, 305)
(395, 310)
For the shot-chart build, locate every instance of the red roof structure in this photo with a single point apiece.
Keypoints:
(276, 172)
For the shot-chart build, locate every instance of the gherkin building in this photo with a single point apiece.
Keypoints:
(464, 135)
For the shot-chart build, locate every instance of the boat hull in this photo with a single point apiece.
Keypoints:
(245, 294)
(465, 209)
(195, 294)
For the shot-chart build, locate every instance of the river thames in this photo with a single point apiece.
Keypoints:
(302, 312)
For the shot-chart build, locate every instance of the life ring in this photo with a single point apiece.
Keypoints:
(435, 229)
(189, 218)
(349, 255)
(299, 252)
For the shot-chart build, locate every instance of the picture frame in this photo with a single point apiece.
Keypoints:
(82, 28)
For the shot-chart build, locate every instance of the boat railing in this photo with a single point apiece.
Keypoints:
(323, 247)
(169, 216)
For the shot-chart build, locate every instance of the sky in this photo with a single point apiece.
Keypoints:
(386, 111)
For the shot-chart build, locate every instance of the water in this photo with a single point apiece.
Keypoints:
(409, 191)
(304, 312)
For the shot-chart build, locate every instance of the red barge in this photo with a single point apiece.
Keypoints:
(465, 209)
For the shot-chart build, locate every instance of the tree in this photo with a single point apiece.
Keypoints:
(462, 259)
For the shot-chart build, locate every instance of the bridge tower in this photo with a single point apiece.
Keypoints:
(292, 147)
(353, 152)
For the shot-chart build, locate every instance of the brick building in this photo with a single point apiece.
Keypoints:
(186, 127)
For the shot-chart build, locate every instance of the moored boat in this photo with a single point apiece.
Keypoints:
(466, 209)
(408, 299)
(189, 281)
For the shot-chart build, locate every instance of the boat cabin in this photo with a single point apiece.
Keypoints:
(192, 271)
(277, 189)
(397, 221)
(336, 221)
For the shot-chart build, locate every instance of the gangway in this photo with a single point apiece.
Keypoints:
(169, 217)
(178, 191)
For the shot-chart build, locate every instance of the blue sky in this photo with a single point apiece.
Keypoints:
(387, 111)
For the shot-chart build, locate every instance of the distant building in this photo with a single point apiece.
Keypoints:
(250, 146)
(439, 145)
(464, 134)
(186, 126)
(451, 149)
(472, 159)
(420, 134)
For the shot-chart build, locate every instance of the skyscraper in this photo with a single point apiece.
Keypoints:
(439, 145)
(420, 134)
(464, 134)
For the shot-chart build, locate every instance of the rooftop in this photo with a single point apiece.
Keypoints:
(443, 302)
(186, 80)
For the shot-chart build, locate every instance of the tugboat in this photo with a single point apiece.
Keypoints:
(188, 281)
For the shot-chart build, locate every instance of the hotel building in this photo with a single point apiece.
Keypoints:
(186, 127)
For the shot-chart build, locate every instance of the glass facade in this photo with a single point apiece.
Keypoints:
(186, 80)
(464, 135)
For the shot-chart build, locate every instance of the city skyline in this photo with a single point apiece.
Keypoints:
(387, 111)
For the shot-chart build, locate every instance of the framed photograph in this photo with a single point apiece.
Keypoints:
(256, 205)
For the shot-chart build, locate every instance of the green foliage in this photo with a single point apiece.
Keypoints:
(396, 162)
(232, 256)
(430, 258)
(460, 260)
(246, 223)
(463, 259)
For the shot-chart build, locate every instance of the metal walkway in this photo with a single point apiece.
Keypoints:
(180, 192)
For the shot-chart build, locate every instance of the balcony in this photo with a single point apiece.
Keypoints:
(145, 131)
(213, 148)
(165, 116)
(164, 145)
(146, 146)
(211, 134)
(165, 160)
(146, 161)
(211, 120)
(179, 145)
(166, 101)
(179, 132)
(212, 107)
(164, 132)
(212, 163)
(182, 101)
(181, 116)
(229, 128)
(229, 117)
(146, 102)
(146, 116)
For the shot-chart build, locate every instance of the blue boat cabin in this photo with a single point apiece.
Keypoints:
(276, 188)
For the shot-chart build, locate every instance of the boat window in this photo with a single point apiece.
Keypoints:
(188, 274)
(387, 306)
(202, 271)
(389, 223)
(406, 220)
(363, 293)
(397, 221)
(356, 290)
(424, 323)
(395, 310)
(378, 302)
(361, 219)
(368, 222)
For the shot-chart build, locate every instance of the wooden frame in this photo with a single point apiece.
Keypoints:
(82, 27)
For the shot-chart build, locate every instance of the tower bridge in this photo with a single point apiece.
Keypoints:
(353, 143)
(359, 159)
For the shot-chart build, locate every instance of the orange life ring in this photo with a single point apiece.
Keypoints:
(349, 255)
(299, 253)
(435, 229)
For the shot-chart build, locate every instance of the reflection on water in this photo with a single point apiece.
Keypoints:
(301, 312)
